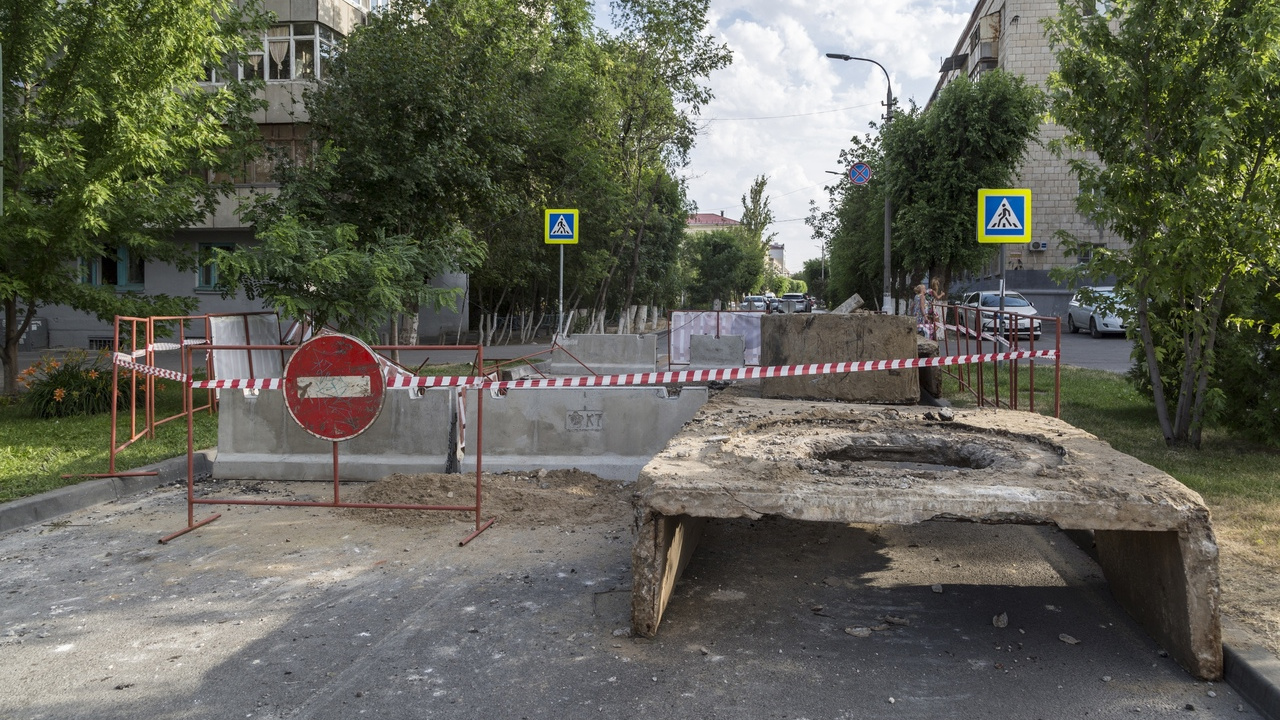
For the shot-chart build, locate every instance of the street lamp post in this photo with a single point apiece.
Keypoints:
(888, 202)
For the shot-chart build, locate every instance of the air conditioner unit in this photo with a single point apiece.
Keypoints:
(1039, 246)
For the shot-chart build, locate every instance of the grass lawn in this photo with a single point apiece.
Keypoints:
(1239, 480)
(35, 453)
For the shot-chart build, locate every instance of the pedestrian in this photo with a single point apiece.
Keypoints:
(920, 308)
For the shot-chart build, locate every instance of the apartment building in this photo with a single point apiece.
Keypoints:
(294, 53)
(1008, 34)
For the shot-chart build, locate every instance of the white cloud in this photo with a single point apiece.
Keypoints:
(780, 69)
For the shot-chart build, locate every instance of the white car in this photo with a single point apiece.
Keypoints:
(754, 302)
(984, 306)
(1084, 312)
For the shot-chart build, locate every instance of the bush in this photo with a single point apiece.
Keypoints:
(75, 385)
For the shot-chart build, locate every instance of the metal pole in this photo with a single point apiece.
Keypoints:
(887, 300)
(560, 323)
(888, 205)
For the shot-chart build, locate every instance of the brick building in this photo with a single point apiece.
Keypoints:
(1008, 34)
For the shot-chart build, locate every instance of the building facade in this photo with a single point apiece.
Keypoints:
(294, 53)
(1009, 34)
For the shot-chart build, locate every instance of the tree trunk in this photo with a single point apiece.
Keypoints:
(13, 331)
(1153, 367)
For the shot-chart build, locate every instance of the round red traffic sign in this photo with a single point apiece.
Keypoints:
(333, 387)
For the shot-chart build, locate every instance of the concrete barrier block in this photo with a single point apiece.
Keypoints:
(259, 440)
(604, 355)
(804, 338)
(709, 351)
(611, 432)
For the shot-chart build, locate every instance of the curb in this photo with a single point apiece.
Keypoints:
(1251, 670)
(1247, 667)
(48, 505)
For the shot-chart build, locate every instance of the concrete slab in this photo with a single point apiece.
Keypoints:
(604, 355)
(610, 431)
(823, 337)
(709, 351)
(258, 440)
(747, 457)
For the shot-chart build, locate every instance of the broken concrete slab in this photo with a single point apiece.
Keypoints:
(796, 339)
(748, 457)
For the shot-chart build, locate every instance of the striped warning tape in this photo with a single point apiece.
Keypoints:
(664, 378)
(158, 347)
(126, 362)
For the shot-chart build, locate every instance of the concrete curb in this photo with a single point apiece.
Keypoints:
(1251, 670)
(1248, 668)
(46, 506)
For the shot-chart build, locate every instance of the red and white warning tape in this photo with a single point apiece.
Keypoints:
(126, 362)
(724, 374)
(239, 384)
(656, 378)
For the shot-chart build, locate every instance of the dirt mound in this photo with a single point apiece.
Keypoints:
(548, 497)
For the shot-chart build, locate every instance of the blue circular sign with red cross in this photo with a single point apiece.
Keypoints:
(860, 173)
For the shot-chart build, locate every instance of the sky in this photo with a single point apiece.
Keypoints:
(785, 110)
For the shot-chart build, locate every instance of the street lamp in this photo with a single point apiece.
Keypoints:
(888, 203)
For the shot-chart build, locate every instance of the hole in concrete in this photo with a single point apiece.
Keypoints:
(913, 451)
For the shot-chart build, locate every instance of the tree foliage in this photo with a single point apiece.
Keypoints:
(933, 161)
(454, 123)
(107, 137)
(1172, 129)
(727, 262)
(974, 135)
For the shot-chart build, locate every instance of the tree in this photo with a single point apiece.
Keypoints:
(852, 228)
(107, 137)
(1173, 129)
(417, 113)
(727, 263)
(974, 135)
(659, 58)
(756, 214)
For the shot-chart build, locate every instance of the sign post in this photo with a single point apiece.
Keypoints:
(333, 388)
(560, 227)
(1004, 217)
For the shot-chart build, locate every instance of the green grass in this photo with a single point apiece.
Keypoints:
(35, 453)
(1239, 480)
(1225, 467)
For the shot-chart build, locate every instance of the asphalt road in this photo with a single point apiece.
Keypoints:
(307, 613)
(1109, 352)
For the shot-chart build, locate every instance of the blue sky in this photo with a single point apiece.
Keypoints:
(784, 110)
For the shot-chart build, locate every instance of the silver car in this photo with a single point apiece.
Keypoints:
(754, 302)
(1084, 312)
(983, 307)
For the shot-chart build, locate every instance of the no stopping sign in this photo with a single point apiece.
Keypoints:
(333, 387)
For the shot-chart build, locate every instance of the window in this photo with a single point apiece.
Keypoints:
(207, 278)
(116, 267)
(1085, 252)
(1096, 7)
(290, 51)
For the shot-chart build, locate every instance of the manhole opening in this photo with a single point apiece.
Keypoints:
(920, 454)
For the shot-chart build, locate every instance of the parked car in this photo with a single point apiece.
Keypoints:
(754, 302)
(1084, 312)
(796, 302)
(985, 306)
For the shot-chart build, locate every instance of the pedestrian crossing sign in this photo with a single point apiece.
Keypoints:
(1004, 216)
(561, 227)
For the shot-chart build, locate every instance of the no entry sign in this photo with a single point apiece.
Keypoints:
(333, 387)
